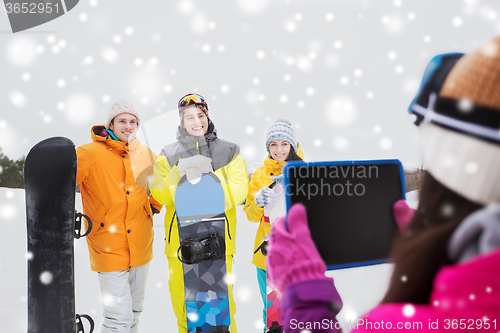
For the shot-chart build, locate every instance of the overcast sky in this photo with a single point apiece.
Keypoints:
(343, 72)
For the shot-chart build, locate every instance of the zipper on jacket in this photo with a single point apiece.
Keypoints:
(170, 230)
(228, 231)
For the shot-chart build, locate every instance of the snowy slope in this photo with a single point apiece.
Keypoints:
(360, 288)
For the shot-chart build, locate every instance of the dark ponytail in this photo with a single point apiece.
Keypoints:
(292, 156)
(422, 251)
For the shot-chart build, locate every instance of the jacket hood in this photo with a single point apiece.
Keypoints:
(478, 233)
(99, 134)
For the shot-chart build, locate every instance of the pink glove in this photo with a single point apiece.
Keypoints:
(402, 214)
(292, 256)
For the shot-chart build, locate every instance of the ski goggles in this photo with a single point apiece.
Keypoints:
(461, 116)
(190, 99)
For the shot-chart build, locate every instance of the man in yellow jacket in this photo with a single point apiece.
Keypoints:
(112, 173)
(198, 150)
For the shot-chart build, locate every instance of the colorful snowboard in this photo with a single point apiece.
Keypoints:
(274, 321)
(49, 178)
(200, 212)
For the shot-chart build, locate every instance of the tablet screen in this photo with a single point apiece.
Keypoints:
(349, 207)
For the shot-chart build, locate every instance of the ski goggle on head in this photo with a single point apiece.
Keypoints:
(458, 115)
(190, 99)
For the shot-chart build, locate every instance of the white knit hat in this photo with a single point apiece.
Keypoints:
(459, 129)
(119, 107)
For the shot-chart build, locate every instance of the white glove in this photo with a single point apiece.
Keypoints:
(265, 196)
(194, 167)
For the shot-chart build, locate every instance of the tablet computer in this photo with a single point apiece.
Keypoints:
(349, 207)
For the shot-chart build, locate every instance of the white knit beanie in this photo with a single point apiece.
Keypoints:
(119, 107)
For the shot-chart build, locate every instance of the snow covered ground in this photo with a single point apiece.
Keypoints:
(360, 288)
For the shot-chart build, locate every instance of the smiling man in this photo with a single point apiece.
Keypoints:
(198, 150)
(112, 173)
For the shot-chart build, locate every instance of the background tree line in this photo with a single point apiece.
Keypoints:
(11, 172)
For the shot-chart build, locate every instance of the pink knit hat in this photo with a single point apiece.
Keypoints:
(119, 107)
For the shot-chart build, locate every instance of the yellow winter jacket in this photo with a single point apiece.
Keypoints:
(228, 166)
(262, 178)
(113, 181)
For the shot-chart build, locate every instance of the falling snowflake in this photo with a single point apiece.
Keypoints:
(301, 104)
(377, 129)
(341, 111)
(411, 16)
(224, 88)
(199, 23)
(249, 129)
(399, 69)
(409, 310)
(341, 144)
(185, 6)
(212, 25)
(29, 255)
(83, 17)
(385, 143)
(261, 54)
(337, 44)
(129, 31)
(465, 105)
(290, 26)
(108, 300)
(457, 22)
(26, 76)
(221, 48)
(206, 48)
(167, 88)
(138, 62)
(358, 72)
(18, 99)
(370, 95)
(252, 6)
(344, 80)
(471, 167)
(21, 51)
(317, 143)
(310, 91)
(117, 39)
(110, 55)
(404, 278)
(61, 83)
(46, 277)
(283, 98)
(329, 17)
(427, 39)
(245, 294)
(80, 108)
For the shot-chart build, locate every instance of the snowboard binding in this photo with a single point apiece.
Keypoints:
(275, 329)
(78, 225)
(193, 251)
(79, 324)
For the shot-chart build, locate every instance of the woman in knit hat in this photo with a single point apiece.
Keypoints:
(281, 147)
(112, 173)
(447, 258)
(198, 150)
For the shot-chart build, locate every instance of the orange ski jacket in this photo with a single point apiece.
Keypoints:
(113, 177)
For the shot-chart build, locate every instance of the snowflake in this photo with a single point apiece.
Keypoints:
(83, 17)
(261, 54)
(46, 277)
(329, 17)
(471, 167)
(252, 6)
(224, 88)
(385, 143)
(457, 22)
(409, 310)
(18, 99)
(109, 54)
(341, 144)
(341, 111)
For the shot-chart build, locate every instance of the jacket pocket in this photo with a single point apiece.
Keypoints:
(149, 212)
(98, 220)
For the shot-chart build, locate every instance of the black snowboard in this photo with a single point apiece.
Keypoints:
(50, 177)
